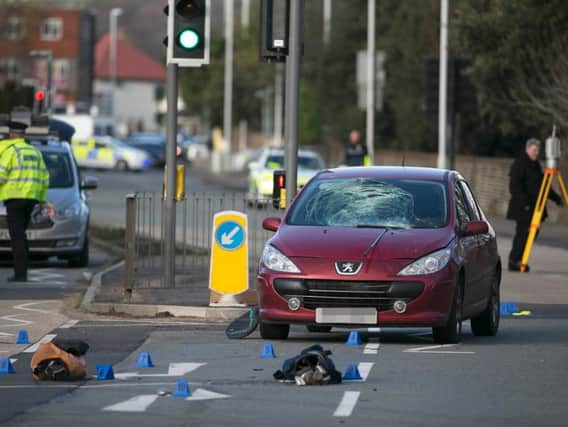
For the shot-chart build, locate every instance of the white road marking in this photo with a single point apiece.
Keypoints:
(136, 404)
(434, 349)
(33, 348)
(45, 276)
(202, 394)
(5, 334)
(365, 369)
(371, 348)
(105, 385)
(12, 361)
(174, 370)
(25, 307)
(69, 324)
(12, 318)
(347, 404)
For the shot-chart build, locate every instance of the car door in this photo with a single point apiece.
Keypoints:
(468, 248)
(484, 242)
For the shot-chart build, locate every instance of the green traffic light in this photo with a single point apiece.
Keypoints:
(188, 39)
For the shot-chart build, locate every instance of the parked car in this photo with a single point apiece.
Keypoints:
(261, 171)
(105, 152)
(388, 246)
(67, 236)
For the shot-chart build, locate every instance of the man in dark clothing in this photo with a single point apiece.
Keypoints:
(355, 151)
(524, 185)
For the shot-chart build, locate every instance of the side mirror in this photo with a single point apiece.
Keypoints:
(271, 224)
(474, 228)
(89, 183)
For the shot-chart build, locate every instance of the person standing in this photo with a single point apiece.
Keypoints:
(525, 181)
(24, 180)
(356, 151)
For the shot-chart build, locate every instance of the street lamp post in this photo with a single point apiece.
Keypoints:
(113, 24)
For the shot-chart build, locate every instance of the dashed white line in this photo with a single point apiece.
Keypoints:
(436, 349)
(34, 347)
(347, 404)
(365, 369)
(136, 404)
(69, 324)
(371, 348)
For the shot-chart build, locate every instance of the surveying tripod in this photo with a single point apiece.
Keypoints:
(552, 170)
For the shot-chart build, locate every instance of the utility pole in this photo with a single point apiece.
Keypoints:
(113, 29)
(293, 97)
(371, 80)
(443, 90)
(326, 21)
(245, 14)
(228, 96)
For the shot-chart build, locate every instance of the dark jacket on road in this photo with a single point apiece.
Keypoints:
(524, 185)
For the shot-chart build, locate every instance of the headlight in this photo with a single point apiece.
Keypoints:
(68, 212)
(277, 261)
(429, 264)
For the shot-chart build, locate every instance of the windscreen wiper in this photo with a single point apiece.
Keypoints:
(386, 227)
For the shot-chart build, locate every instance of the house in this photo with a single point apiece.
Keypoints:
(67, 33)
(128, 94)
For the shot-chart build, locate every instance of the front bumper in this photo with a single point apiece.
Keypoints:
(428, 298)
(65, 237)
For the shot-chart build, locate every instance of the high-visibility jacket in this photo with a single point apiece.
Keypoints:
(23, 174)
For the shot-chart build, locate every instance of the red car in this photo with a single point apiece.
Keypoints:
(381, 246)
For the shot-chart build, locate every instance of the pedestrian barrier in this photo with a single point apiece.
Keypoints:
(182, 389)
(23, 337)
(195, 212)
(144, 360)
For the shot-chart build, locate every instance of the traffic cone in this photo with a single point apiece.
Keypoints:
(144, 360)
(354, 338)
(6, 367)
(352, 373)
(23, 337)
(105, 372)
(267, 351)
(508, 307)
(182, 389)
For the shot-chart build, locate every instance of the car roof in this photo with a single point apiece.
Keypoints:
(393, 172)
(280, 152)
(52, 145)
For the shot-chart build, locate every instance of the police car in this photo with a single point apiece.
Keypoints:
(67, 235)
(261, 171)
(105, 152)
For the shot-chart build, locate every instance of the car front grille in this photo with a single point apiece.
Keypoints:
(339, 293)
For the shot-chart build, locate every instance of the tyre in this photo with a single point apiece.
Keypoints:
(487, 323)
(450, 333)
(81, 260)
(121, 166)
(318, 328)
(274, 331)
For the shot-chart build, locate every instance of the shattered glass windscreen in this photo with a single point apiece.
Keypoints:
(371, 202)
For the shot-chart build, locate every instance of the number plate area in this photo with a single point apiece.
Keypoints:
(359, 315)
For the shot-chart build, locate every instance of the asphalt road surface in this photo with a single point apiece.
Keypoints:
(514, 379)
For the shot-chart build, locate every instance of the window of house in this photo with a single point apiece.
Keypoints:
(10, 68)
(52, 29)
(14, 28)
(61, 71)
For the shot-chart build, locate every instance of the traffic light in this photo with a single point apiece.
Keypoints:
(279, 189)
(274, 19)
(39, 100)
(188, 32)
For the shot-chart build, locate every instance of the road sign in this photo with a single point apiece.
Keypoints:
(229, 254)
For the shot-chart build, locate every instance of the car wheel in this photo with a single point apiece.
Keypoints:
(82, 259)
(121, 166)
(273, 331)
(487, 323)
(318, 328)
(450, 333)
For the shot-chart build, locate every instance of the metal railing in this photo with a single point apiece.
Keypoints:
(144, 243)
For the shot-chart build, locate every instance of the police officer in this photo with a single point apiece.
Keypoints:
(356, 151)
(524, 185)
(24, 180)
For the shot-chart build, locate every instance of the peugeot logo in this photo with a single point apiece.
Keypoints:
(348, 268)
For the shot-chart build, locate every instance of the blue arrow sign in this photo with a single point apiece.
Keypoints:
(230, 235)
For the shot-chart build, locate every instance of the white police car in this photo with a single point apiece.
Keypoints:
(105, 152)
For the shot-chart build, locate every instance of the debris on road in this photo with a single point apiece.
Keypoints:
(311, 367)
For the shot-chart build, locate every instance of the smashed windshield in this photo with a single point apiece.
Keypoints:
(371, 202)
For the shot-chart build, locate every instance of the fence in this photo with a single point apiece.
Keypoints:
(194, 221)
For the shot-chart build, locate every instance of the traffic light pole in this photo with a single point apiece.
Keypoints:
(170, 202)
(293, 97)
